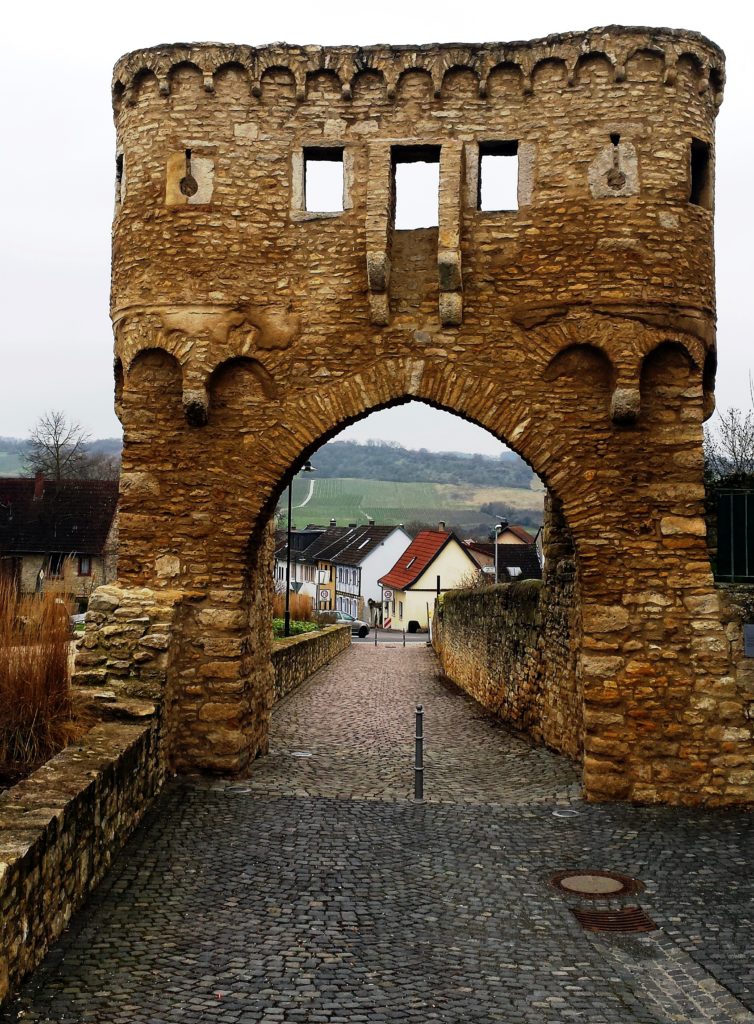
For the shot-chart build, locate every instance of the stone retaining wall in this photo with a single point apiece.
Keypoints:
(60, 829)
(514, 647)
(295, 658)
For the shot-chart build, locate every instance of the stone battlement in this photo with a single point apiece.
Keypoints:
(616, 45)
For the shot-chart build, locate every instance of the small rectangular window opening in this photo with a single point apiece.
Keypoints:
(56, 565)
(119, 178)
(416, 186)
(498, 176)
(323, 179)
(700, 193)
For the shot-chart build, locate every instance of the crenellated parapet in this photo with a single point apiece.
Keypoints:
(618, 46)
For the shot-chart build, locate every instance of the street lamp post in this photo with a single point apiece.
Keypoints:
(308, 468)
(499, 527)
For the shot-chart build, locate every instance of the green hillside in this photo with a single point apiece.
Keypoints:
(11, 463)
(353, 500)
(390, 484)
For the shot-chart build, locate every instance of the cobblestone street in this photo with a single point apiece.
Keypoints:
(318, 891)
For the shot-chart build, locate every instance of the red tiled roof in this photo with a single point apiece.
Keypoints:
(481, 547)
(73, 516)
(523, 535)
(420, 554)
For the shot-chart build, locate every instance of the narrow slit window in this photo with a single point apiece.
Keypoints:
(700, 193)
(498, 176)
(323, 179)
(119, 177)
(416, 186)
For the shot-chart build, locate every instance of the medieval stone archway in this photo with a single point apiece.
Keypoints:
(578, 327)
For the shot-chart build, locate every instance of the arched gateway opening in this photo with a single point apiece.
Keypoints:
(573, 319)
(220, 689)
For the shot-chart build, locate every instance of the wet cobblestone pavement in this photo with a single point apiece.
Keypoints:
(273, 900)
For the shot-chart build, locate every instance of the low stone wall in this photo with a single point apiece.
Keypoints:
(737, 688)
(60, 829)
(513, 648)
(295, 658)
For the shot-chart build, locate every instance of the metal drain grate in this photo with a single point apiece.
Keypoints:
(627, 919)
(596, 885)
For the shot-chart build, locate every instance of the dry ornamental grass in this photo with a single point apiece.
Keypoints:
(36, 703)
(300, 607)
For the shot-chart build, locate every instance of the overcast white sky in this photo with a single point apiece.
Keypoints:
(57, 154)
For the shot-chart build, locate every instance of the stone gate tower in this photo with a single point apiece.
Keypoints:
(577, 324)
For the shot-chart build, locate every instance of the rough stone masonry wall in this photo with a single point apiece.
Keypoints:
(60, 829)
(295, 658)
(579, 328)
(514, 647)
(125, 648)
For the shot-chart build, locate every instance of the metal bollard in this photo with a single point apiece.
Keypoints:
(419, 755)
(404, 637)
(376, 628)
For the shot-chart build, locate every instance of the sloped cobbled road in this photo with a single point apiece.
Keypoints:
(316, 890)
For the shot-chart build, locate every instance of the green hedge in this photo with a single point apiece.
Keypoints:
(278, 627)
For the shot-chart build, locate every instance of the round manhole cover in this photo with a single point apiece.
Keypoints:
(596, 885)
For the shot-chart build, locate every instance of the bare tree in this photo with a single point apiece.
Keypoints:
(475, 579)
(729, 443)
(57, 447)
(100, 466)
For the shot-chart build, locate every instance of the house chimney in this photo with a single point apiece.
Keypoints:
(371, 522)
(441, 525)
(333, 522)
(39, 485)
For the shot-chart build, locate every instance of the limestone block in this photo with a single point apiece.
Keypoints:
(671, 526)
(601, 667)
(221, 618)
(703, 604)
(220, 713)
(167, 566)
(246, 132)
(104, 599)
(451, 309)
(605, 619)
(155, 641)
(138, 482)
(379, 309)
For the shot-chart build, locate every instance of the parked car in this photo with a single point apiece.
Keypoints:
(358, 626)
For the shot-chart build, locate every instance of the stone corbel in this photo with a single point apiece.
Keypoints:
(379, 207)
(195, 405)
(450, 277)
(625, 404)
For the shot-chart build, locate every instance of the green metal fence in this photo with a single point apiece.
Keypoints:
(735, 536)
